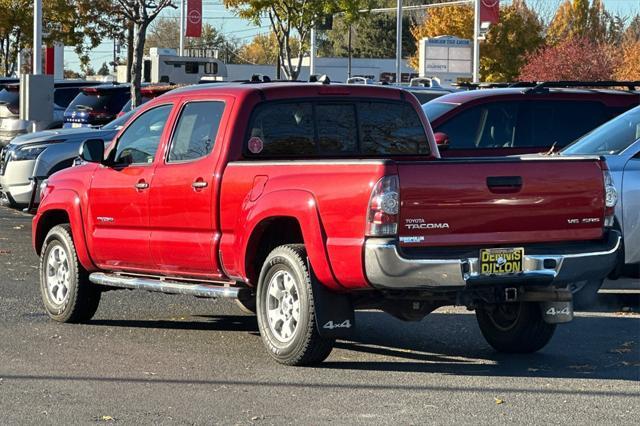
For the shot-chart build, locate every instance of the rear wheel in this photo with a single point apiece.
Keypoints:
(514, 327)
(285, 309)
(66, 291)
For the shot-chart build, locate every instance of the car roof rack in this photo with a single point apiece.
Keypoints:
(545, 85)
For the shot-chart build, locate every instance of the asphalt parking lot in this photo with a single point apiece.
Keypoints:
(151, 358)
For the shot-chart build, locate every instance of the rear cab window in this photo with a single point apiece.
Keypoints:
(326, 128)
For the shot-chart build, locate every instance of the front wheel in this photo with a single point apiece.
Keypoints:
(285, 309)
(514, 327)
(67, 293)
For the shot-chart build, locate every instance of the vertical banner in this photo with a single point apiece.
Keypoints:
(194, 18)
(489, 11)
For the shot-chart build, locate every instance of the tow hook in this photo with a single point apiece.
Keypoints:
(510, 294)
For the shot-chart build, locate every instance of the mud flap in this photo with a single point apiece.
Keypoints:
(335, 318)
(557, 312)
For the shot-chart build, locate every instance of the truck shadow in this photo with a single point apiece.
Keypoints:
(592, 346)
(603, 347)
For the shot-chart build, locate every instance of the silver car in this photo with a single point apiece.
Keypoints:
(619, 142)
(33, 157)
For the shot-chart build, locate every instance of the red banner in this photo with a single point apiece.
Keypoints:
(490, 11)
(194, 18)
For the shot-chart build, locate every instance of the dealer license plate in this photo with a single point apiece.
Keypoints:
(500, 261)
(76, 125)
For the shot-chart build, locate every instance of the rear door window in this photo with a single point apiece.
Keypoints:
(325, 128)
(196, 131)
(544, 123)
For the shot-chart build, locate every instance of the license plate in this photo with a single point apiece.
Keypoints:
(501, 261)
(76, 125)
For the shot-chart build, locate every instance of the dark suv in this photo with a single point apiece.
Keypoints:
(10, 123)
(524, 120)
(97, 106)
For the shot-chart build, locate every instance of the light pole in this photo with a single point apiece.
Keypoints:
(37, 37)
(476, 42)
(312, 54)
(399, 42)
(181, 28)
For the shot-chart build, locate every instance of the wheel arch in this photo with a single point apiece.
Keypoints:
(281, 217)
(62, 206)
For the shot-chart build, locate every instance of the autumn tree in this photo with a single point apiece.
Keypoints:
(577, 58)
(82, 24)
(507, 43)
(263, 49)
(582, 18)
(291, 19)
(141, 13)
(633, 29)
(629, 66)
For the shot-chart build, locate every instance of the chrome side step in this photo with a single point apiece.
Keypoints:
(197, 289)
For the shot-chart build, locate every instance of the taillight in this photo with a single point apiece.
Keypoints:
(610, 196)
(384, 206)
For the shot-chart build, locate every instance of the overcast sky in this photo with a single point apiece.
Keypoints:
(217, 15)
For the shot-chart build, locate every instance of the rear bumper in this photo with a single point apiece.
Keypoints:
(386, 268)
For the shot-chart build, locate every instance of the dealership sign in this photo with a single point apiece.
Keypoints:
(445, 55)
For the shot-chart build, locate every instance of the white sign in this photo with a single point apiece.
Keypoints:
(446, 57)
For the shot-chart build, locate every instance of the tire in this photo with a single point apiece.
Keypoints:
(285, 283)
(514, 327)
(66, 291)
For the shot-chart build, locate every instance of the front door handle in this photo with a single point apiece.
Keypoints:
(142, 185)
(199, 184)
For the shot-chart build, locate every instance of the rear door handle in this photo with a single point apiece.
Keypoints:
(199, 184)
(142, 185)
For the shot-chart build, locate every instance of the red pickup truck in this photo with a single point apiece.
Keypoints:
(307, 201)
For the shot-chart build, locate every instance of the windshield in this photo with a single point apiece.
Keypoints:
(435, 110)
(119, 122)
(611, 138)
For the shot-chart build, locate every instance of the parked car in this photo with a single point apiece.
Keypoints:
(619, 142)
(307, 201)
(31, 158)
(97, 106)
(148, 92)
(6, 81)
(522, 120)
(10, 123)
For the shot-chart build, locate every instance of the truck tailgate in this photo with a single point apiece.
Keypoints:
(500, 201)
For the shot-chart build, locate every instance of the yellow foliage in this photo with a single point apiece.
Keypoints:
(629, 68)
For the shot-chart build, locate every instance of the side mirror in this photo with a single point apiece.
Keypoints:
(442, 140)
(92, 151)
